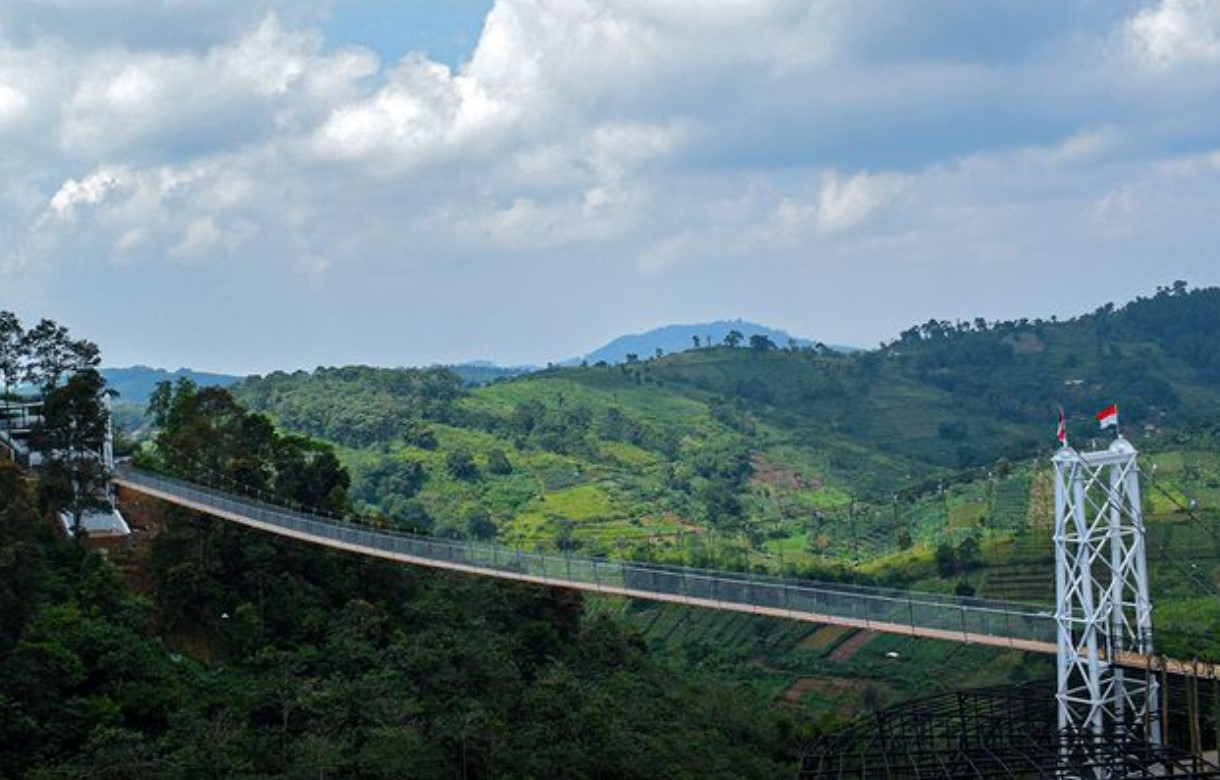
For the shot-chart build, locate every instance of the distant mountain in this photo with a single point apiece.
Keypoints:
(482, 372)
(678, 338)
(135, 383)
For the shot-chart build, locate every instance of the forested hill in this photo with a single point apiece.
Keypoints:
(771, 451)
(1159, 356)
(941, 396)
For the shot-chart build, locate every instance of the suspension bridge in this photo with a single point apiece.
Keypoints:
(996, 623)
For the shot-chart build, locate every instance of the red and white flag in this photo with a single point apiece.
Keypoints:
(1108, 416)
(1062, 433)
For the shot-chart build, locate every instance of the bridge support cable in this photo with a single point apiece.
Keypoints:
(1006, 624)
(1103, 610)
(934, 616)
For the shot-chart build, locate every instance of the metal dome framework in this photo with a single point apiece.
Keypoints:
(992, 733)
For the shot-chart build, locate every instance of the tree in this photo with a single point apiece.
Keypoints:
(498, 463)
(12, 347)
(391, 478)
(307, 472)
(21, 566)
(52, 353)
(461, 465)
(946, 560)
(205, 435)
(761, 343)
(969, 554)
(12, 353)
(72, 438)
(733, 338)
(479, 524)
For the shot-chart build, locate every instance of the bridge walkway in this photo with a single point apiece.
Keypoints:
(989, 622)
(932, 616)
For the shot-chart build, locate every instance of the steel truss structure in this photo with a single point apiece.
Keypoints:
(1102, 603)
(993, 733)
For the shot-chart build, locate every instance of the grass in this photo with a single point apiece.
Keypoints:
(824, 671)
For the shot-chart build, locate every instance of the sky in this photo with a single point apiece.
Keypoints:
(252, 185)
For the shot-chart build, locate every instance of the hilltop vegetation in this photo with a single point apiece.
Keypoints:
(679, 338)
(752, 450)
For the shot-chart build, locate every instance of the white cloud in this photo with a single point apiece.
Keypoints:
(203, 237)
(270, 59)
(89, 25)
(1083, 147)
(1113, 215)
(130, 241)
(269, 83)
(846, 203)
(414, 115)
(668, 253)
(13, 103)
(89, 191)
(1177, 32)
(615, 150)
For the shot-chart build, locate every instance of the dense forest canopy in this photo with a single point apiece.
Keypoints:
(244, 656)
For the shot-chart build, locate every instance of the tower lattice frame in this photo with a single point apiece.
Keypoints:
(1103, 607)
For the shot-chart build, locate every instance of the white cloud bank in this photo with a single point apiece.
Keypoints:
(608, 164)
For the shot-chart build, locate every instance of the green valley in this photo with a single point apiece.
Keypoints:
(923, 461)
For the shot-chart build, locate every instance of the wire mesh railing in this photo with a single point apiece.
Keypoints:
(970, 619)
(14, 448)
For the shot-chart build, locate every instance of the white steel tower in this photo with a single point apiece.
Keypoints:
(1103, 609)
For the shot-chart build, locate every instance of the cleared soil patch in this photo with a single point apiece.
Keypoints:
(823, 638)
(845, 651)
(774, 475)
(778, 477)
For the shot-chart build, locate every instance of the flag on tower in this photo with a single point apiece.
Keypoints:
(1062, 433)
(1108, 416)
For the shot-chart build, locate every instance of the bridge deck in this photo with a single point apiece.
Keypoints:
(976, 621)
(932, 616)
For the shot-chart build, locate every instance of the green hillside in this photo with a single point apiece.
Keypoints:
(755, 455)
(922, 464)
